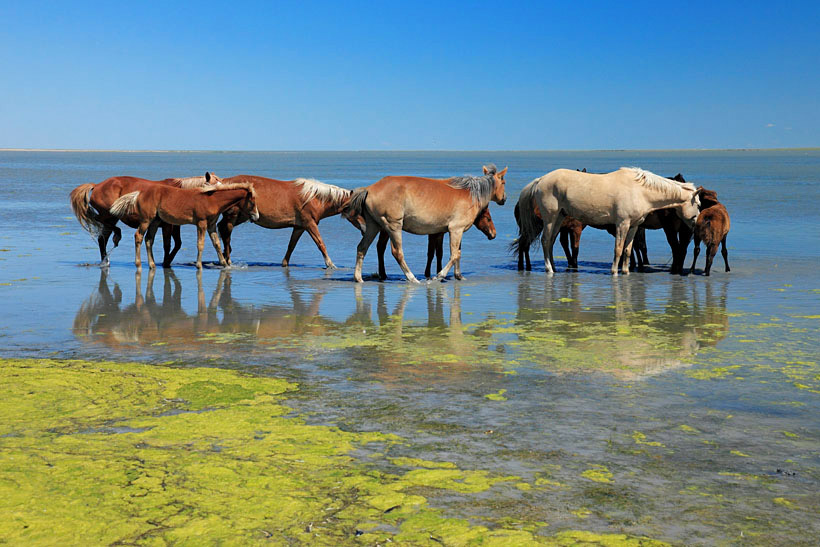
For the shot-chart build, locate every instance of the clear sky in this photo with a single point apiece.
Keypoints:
(409, 75)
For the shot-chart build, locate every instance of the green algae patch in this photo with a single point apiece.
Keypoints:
(599, 473)
(99, 452)
(499, 396)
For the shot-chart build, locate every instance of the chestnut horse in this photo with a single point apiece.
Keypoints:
(712, 227)
(622, 198)
(299, 204)
(435, 243)
(423, 206)
(91, 204)
(157, 203)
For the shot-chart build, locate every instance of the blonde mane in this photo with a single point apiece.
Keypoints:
(229, 186)
(656, 182)
(312, 188)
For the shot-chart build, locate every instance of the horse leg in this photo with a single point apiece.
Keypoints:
(556, 229)
(225, 227)
(138, 237)
(294, 239)
(398, 253)
(684, 237)
(381, 246)
(215, 242)
(431, 253)
(440, 252)
(175, 234)
(547, 241)
(372, 229)
(201, 227)
(630, 239)
(695, 252)
(455, 255)
(672, 239)
(725, 253)
(576, 245)
(313, 230)
(620, 237)
(149, 242)
(564, 233)
(711, 251)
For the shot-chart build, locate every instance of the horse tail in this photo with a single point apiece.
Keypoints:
(529, 225)
(124, 205)
(80, 199)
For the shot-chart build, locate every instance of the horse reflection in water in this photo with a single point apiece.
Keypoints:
(619, 329)
(102, 319)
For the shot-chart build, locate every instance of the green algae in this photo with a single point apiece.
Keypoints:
(599, 473)
(100, 452)
(499, 396)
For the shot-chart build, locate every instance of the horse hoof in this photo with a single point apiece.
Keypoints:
(331, 266)
(459, 277)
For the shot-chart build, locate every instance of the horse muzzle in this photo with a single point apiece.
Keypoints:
(254, 216)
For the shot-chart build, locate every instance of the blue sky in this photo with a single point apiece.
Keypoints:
(409, 75)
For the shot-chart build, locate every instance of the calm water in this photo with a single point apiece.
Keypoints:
(696, 399)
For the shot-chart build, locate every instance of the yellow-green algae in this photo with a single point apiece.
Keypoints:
(101, 452)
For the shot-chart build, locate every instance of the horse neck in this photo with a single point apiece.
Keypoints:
(226, 198)
(330, 208)
(661, 200)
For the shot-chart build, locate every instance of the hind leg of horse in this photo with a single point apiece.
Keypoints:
(627, 252)
(455, 256)
(548, 235)
(215, 242)
(102, 241)
(150, 233)
(313, 230)
(225, 227)
(564, 236)
(398, 253)
(435, 242)
(175, 234)
(620, 239)
(711, 251)
(725, 253)
(381, 246)
(294, 239)
(139, 235)
(372, 229)
(695, 253)
(575, 240)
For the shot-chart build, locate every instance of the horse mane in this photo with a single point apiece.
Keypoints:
(481, 187)
(326, 193)
(191, 182)
(229, 186)
(659, 183)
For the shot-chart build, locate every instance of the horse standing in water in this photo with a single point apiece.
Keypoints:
(156, 203)
(423, 206)
(712, 227)
(91, 204)
(299, 204)
(435, 243)
(622, 198)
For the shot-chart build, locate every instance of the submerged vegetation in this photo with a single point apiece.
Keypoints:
(102, 452)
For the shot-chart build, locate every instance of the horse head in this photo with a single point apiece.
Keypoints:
(499, 194)
(484, 222)
(708, 198)
(248, 204)
(689, 209)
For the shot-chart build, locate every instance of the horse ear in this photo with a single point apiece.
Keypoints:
(584, 170)
(679, 178)
(502, 173)
(207, 177)
(485, 169)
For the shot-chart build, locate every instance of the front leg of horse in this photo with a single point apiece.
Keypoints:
(455, 254)
(627, 252)
(200, 243)
(225, 227)
(620, 240)
(370, 233)
(215, 242)
(139, 235)
(381, 246)
(313, 229)
(149, 243)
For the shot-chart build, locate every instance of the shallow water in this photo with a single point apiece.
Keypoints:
(679, 408)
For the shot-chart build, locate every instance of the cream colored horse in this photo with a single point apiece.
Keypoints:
(622, 198)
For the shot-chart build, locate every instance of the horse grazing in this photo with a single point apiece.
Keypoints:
(622, 198)
(712, 227)
(157, 203)
(91, 204)
(423, 206)
(299, 204)
(435, 243)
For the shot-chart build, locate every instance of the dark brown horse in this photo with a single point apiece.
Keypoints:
(423, 206)
(91, 204)
(435, 243)
(155, 203)
(712, 227)
(299, 204)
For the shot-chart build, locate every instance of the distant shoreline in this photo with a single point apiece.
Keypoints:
(73, 150)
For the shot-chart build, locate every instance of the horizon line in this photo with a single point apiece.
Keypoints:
(444, 150)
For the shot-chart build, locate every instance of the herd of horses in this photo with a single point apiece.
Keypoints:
(563, 202)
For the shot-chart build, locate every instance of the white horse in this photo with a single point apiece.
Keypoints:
(622, 198)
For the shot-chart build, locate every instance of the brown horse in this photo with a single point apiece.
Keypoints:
(423, 206)
(435, 243)
(712, 227)
(299, 204)
(157, 203)
(91, 204)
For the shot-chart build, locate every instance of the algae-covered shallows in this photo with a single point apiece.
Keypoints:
(102, 452)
